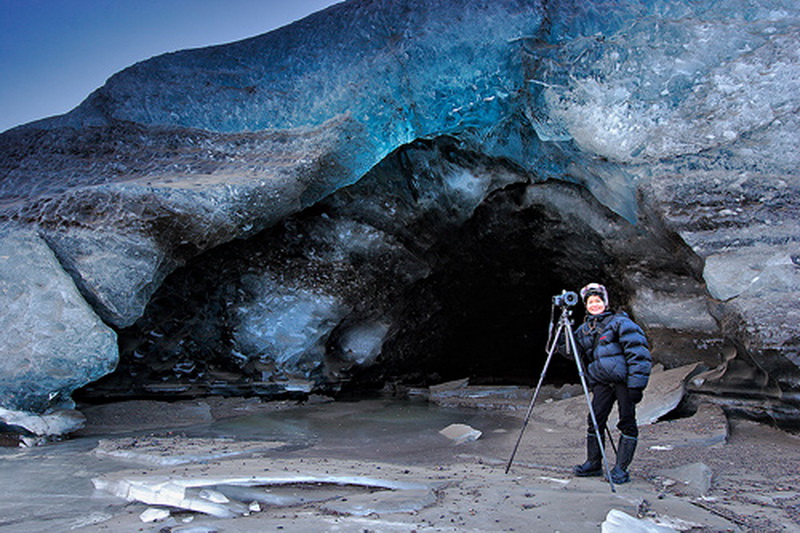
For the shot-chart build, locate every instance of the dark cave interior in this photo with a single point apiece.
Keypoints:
(483, 312)
(492, 296)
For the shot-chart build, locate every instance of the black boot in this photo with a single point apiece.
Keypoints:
(627, 447)
(594, 459)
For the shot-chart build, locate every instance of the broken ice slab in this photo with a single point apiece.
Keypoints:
(620, 522)
(199, 487)
(460, 433)
(288, 495)
(692, 479)
(664, 392)
(178, 493)
(35, 428)
(449, 386)
(459, 393)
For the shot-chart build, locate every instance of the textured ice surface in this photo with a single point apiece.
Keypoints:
(629, 81)
(405, 69)
(51, 342)
(285, 325)
(362, 343)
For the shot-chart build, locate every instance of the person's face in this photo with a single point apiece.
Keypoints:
(595, 305)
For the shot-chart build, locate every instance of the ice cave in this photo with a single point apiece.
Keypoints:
(389, 194)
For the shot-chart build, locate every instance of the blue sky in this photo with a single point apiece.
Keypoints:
(53, 53)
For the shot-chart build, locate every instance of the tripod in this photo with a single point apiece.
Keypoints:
(564, 327)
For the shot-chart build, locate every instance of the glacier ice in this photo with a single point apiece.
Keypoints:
(286, 325)
(52, 341)
(362, 343)
(679, 116)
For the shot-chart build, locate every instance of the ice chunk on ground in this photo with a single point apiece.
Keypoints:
(60, 422)
(695, 479)
(153, 514)
(461, 433)
(663, 393)
(619, 522)
(191, 490)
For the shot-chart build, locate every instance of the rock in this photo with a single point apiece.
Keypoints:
(135, 231)
(748, 261)
(460, 433)
(115, 272)
(677, 316)
(693, 479)
(52, 341)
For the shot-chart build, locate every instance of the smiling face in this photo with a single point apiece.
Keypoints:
(595, 305)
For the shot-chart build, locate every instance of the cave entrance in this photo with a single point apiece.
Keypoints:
(485, 312)
(458, 279)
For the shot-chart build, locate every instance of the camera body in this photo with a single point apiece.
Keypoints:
(565, 299)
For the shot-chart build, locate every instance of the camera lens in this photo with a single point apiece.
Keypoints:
(565, 299)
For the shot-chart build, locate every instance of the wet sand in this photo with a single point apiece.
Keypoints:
(383, 465)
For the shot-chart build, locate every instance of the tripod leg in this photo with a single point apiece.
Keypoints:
(574, 349)
(611, 440)
(550, 352)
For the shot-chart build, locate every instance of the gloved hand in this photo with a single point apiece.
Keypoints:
(635, 395)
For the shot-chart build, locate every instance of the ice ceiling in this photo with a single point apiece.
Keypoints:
(394, 191)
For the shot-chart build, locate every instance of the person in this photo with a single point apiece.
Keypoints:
(617, 362)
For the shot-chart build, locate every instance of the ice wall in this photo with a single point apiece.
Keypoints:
(680, 116)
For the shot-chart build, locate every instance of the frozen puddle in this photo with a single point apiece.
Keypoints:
(231, 488)
(178, 450)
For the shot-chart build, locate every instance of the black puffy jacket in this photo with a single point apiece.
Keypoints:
(622, 354)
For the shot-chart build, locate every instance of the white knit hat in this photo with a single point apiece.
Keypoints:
(595, 289)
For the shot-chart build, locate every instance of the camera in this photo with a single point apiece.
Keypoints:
(565, 299)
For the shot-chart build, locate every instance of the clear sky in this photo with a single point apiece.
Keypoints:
(53, 53)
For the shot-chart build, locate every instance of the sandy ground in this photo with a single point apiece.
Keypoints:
(383, 465)
(464, 487)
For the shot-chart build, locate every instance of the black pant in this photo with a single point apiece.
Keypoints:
(603, 398)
